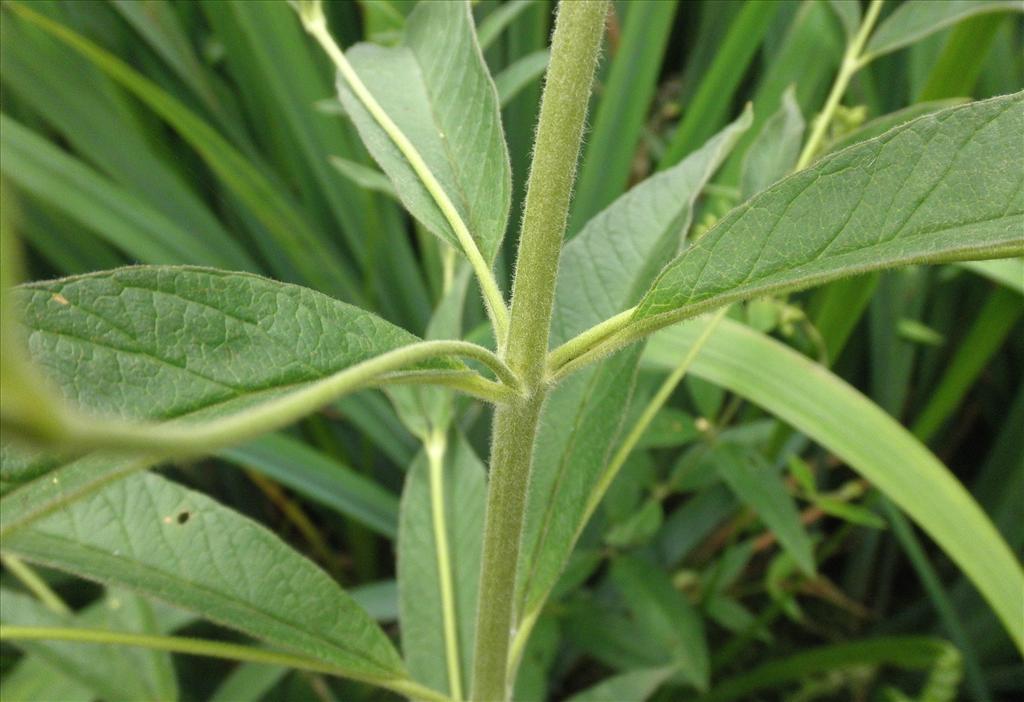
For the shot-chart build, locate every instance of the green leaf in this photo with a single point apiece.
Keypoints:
(957, 69)
(637, 529)
(761, 489)
(607, 264)
(155, 537)
(533, 680)
(364, 176)
(774, 152)
(1007, 272)
(603, 268)
(443, 99)
(825, 408)
(812, 31)
(636, 686)
(710, 106)
(34, 679)
(906, 652)
(992, 324)
(511, 81)
(320, 478)
(664, 614)
(70, 186)
(943, 187)
(501, 17)
(849, 15)
(297, 243)
(132, 675)
(880, 125)
(855, 514)
(427, 411)
(99, 124)
(671, 427)
(916, 19)
(248, 682)
(157, 22)
(379, 599)
(423, 634)
(161, 343)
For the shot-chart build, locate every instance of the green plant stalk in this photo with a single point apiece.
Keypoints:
(529, 619)
(36, 585)
(853, 61)
(435, 447)
(316, 24)
(574, 52)
(77, 432)
(213, 649)
(621, 330)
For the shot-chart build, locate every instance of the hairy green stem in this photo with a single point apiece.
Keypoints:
(468, 382)
(86, 433)
(529, 619)
(315, 23)
(853, 61)
(574, 52)
(515, 429)
(587, 340)
(213, 649)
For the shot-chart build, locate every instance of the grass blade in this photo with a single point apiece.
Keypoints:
(832, 413)
(320, 478)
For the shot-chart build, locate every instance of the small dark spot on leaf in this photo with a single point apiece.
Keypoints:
(184, 516)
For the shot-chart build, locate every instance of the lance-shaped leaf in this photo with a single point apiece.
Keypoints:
(463, 494)
(947, 186)
(672, 627)
(174, 343)
(825, 408)
(760, 488)
(604, 268)
(155, 537)
(134, 674)
(635, 685)
(915, 19)
(774, 152)
(442, 98)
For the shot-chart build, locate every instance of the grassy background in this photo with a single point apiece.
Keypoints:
(199, 132)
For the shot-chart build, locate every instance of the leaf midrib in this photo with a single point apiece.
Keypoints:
(772, 283)
(231, 623)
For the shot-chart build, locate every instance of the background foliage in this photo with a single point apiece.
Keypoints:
(207, 133)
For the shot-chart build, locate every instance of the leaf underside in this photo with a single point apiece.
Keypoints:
(169, 342)
(441, 96)
(153, 536)
(947, 186)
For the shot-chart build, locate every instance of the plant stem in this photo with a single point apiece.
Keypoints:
(852, 62)
(529, 619)
(574, 52)
(87, 433)
(316, 24)
(435, 447)
(36, 585)
(213, 649)
(587, 340)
